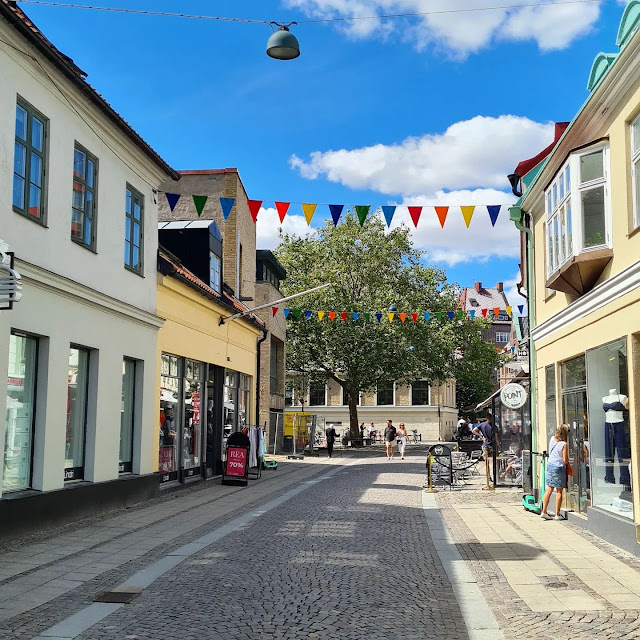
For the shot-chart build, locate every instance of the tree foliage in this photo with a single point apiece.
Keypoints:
(371, 270)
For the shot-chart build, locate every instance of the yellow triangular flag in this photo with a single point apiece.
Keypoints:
(467, 214)
(390, 316)
(309, 210)
(320, 315)
(509, 311)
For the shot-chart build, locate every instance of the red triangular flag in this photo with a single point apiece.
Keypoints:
(343, 315)
(496, 311)
(332, 315)
(415, 317)
(403, 317)
(254, 208)
(484, 313)
(442, 214)
(415, 212)
(274, 310)
(282, 208)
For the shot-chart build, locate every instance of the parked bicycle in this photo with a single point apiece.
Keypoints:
(414, 438)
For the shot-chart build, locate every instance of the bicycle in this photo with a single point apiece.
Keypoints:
(414, 437)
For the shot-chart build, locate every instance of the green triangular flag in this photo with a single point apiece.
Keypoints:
(366, 317)
(460, 314)
(363, 212)
(199, 201)
(296, 314)
(439, 315)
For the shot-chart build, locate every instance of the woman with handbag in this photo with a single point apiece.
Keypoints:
(557, 471)
(401, 437)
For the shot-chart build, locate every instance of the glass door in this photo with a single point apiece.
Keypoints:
(574, 413)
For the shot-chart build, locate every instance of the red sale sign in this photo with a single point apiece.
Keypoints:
(236, 462)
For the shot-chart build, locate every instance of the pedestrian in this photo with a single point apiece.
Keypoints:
(362, 433)
(331, 438)
(557, 470)
(485, 431)
(402, 439)
(371, 432)
(390, 438)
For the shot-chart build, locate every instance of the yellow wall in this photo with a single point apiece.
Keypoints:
(192, 330)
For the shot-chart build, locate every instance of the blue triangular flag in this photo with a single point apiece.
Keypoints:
(378, 317)
(307, 314)
(450, 314)
(286, 313)
(427, 316)
(336, 212)
(494, 211)
(355, 316)
(388, 213)
(521, 308)
(472, 313)
(227, 205)
(172, 199)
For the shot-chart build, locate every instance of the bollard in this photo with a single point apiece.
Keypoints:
(430, 476)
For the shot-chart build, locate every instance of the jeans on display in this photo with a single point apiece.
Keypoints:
(616, 437)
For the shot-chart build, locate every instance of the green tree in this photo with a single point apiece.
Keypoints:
(371, 270)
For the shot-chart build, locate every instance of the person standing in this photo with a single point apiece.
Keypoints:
(402, 439)
(371, 433)
(331, 438)
(390, 438)
(557, 470)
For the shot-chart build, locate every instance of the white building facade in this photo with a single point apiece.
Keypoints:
(78, 208)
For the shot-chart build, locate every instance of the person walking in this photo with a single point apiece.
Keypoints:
(331, 438)
(558, 469)
(402, 439)
(390, 438)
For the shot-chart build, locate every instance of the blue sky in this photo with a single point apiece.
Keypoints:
(431, 110)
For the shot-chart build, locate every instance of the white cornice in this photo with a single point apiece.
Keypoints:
(605, 293)
(59, 285)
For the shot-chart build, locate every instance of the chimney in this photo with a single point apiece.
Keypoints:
(478, 286)
(500, 287)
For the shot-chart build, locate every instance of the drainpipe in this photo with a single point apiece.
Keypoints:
(265, 333)
(517, 216)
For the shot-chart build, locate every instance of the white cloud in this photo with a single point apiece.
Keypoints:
(511, 291)
(268, 227)
(479, 152)
(462, 32)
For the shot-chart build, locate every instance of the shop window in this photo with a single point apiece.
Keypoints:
(77, 396)
(83, 204)
(608, 445)
(170, 375)
(230, 397)
(420, 392)
(317, 394)
(192, 427)
(21, 398)
(384, 394)
(127, 415)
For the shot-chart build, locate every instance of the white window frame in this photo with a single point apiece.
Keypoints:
(503, 333)
(215, 257)
(635, 178)
(562, 203)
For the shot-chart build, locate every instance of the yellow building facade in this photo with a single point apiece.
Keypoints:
(583, 207)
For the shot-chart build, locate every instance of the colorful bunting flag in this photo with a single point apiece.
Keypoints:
(254, 208)
(427, 316)
(378, 317)
(415, 213)
(343, 315)
(484, 313)
(355, 316)
(390, 316)
(388, 211)
(308, 314)
(403, 317)
(414, 317)
(496, 311)
(467, 214)
(366, 317)
(509, 311)
(439, 315)
(274, 310)
(332, 315)
(472, 313)
(460, 314)
(286, 313)
(309, 210)
(494, 212)
(282, 208)
(336, 212)
(521, 308)
(199, 201)
(227, 204)
(172, 199)
(362, 211)
(450, 314)
(296, 314)
(442, 214)
(320, 315)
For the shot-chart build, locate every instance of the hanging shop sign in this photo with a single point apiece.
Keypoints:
(10, 281)
(513, 396)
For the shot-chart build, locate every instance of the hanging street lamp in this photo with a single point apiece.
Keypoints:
(283, 45)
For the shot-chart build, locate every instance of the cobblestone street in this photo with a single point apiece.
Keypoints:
(344, 548)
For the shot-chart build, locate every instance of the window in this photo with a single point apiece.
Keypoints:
(635, 169)
(317, 394)
(127, 416)
(83, 207)
(577, 210)
(214, 271)
(288, 393)
(276, 362)
(192, 429)
(502, 337)
(420, 392)
(21, 397)
(134, 216)
(345, 397)
(550, 402)
(77, 391)
(244, 401)
(384, 393)
(170, 372)
(29, 172)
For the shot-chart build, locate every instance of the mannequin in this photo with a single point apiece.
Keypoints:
(616, 436)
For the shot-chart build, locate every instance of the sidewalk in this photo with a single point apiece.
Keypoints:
(542, 579)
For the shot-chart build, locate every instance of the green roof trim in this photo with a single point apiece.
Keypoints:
(599, 68)
(629, 23)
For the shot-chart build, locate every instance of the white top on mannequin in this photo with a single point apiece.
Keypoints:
(612, 415)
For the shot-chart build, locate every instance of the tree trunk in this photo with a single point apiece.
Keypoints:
(353, 420)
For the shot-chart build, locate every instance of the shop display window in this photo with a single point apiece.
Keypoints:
(127, 415)
(169, 408)
(192, 427)
(609, 442)
(21, 388)
(77, 392)
(230, 399)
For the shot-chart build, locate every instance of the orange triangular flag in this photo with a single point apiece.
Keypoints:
(496, 311)
(403, 317)
(320, 315)
(442, 214)
(467, 214)
(282, 208)
(309, 210)
(390, 316)
(332, 315)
